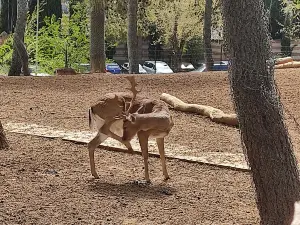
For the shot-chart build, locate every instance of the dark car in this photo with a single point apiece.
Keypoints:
(110, 67)
(113, 68)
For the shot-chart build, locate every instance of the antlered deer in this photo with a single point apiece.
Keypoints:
(121, 116)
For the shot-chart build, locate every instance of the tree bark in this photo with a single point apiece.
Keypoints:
(266, 140)
(285, 42)
(176, 46)
(207, 36)
(97, 49)
(3, 140)
(8, 15)
(132, 37)
(22, 52)
(16, 64)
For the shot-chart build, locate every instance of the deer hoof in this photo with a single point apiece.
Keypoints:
(166, 178)
(95, 176)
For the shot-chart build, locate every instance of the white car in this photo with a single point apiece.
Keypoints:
(157, 67)
(141, 69)
(218, 66)
(32, 70)
(187, 66)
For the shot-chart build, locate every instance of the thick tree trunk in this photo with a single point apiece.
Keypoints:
(266, 140)
(207, 36)
(8, 15)
(3, 140)
(97, 49)
(23, 55)
(132, 38)
(17, 62)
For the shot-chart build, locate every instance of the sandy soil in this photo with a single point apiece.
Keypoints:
(47, 181)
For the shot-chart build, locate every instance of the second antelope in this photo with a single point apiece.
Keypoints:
(121, 116)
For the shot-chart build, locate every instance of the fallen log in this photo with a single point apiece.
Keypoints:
(216, 115)
(294, 64)
(283, 60)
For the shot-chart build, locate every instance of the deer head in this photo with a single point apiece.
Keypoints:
(130, 127)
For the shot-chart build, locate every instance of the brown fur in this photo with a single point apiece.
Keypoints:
(145, 118)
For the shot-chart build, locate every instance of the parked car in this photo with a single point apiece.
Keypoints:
(113, 68)
(157, 67)
(84, 68)
(32, 70)
(110, 67)
(187, 67)
(218, 66)
(125, 68)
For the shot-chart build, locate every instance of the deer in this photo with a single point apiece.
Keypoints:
(122, 116)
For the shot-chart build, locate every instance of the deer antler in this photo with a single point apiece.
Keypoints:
(134, 91)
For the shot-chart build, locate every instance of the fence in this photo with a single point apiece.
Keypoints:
(145, 53)
(218, 54)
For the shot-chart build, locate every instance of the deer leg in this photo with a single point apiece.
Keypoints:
(161, 148)
(143, 139)
(105, 130)
(92, 145)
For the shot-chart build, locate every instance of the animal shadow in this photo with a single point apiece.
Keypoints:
(132, 190)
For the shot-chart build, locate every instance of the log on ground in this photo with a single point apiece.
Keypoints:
(216, 115)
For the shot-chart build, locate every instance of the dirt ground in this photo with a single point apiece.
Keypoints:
(47, 181)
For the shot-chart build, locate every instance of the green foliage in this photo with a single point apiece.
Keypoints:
(189, 14)
(6, 51)
(70, 35)
(115, 26)
(55, 40)
(194, 50)
(291, 10)
(50, 45)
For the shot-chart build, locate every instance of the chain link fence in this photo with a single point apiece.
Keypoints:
(195, 57)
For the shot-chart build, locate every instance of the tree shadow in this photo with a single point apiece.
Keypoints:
(132, 189)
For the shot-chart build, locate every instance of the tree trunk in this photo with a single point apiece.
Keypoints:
(22, 52)
(16, 64)
(8, 15)
(266, 140)
(132, 38)
(207, 36)
(286, 49)
(97, 49)
(3, 140)
(285, 42)
(176, 56)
